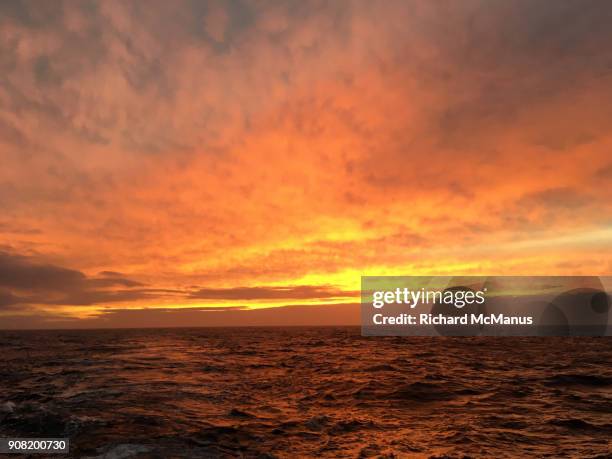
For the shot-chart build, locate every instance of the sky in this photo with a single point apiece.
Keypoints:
(245, 162)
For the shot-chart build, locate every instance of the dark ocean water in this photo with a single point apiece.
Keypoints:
(306, 392)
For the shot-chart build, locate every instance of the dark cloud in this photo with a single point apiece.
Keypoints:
(24, 280)
(605, 172)
(30, 13)
(113, 281)
(44, 71)
(110, 274)
(269, 293)
(301, 315)
(552, 198)
(22, 273)
(8, 299)
(92, 297)
(41, 283)
(498, 61)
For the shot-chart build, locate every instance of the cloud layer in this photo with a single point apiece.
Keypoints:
(253, 151)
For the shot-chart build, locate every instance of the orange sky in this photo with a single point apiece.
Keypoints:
(248, 154)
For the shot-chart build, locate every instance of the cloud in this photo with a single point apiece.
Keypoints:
(604, 173)
(28, 282)
(93, 297)
(270, 293)
(110, 274)
(22, 273)
(43, 283)
(255, 144)
(8, 299)
(563, 197)
(304, 315)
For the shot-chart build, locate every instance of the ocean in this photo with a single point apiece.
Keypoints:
(306, 392)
